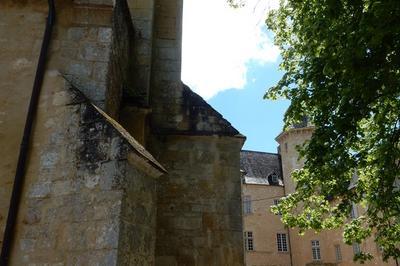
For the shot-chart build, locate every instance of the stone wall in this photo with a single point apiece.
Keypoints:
(288, 144)
(142, 13)
(83, 42)
(64, 209)
(301, 245)
(138, 220)
(264, 225)
(88, 184)
(199, 218)
(87, 191)
(166, 95)
(121, 64)
(20, 29)
(89, 194)
(92, 46)
(195, 224)
(259, 193)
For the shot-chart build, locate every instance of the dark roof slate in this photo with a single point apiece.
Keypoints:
(257, 166)
(204, 119)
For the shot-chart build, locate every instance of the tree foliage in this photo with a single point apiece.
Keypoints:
(341, 63)
(236, 3)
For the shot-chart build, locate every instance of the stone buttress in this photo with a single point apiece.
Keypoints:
(89, 195)
(93, 194)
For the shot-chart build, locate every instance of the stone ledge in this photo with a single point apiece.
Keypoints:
(140, 154)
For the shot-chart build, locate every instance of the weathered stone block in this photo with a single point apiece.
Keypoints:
(91, 181)
(168, 53)
(167, 65)
(107, 235)
(40, 190)
(166, 260)
(76, 34)
(27, 245)
(92, 51)
(108, 175)
(144, 28)
(147, 4)
(95, 2)
(104, 35)
(142, 14)
(165, 43)
(169, 76)
(79, 68)
(187, 223)
(49, 159)
(33, 216)
(100, 71)
(144, 48)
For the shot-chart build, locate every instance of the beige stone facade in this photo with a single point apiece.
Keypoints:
(126, 164)
(265, 227)
(259, 193)
(332, 249)
(324, 248)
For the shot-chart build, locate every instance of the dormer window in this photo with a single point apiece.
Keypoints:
(273, 179)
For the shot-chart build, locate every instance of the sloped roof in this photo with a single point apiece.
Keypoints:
(135, 146)
(257, 166)
(204, 119)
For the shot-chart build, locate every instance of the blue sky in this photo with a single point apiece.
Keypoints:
(258, 119)
(229, 59)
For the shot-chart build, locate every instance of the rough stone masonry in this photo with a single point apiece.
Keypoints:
(127, 166)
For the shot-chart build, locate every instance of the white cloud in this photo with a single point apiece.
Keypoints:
(218, 42)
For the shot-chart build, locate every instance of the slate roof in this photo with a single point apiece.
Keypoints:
(204, 119)
(257, 167)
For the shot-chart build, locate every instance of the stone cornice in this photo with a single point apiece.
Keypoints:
(290, 131)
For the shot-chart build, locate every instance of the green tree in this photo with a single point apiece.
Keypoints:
(341, 63)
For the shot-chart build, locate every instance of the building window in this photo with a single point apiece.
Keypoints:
(276, 202)
(274, 178)
(338, 253)
(281, 241)
(356, 249)
(248, 241)
(247, 204)
(316, 250)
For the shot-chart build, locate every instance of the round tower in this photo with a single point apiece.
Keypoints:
(289, 141)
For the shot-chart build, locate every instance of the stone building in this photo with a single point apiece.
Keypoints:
(126, 165)
(324, 248)
(262, 187)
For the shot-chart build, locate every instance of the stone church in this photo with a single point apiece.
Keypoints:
(110, 159)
